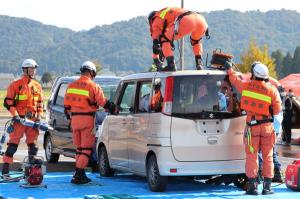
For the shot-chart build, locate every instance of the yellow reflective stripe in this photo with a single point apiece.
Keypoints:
(36, 98)
(78, 92)
(256, 96)
(163, 13)
(21, 97)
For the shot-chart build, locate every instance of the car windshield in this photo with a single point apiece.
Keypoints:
(109, 86)
(204, 93)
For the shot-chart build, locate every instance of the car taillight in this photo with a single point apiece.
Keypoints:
(168, 98)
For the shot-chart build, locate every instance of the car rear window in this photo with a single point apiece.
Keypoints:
(201, 95)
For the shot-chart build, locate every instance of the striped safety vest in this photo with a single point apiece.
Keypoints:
(77, 95)
(256, 102)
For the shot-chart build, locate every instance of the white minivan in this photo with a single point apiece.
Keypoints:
(198, 131)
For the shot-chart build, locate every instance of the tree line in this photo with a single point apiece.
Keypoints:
(126, 46)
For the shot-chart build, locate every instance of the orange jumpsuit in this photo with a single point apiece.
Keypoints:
(194, 24)
(262, 96)
(82, 99)
(24, 98)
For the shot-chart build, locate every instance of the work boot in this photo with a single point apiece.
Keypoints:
(198, 60)
(267, 190)
(252, 187)
(157, 66)
(79, 177)
(277, 176)
(5, 170)
(171, 64)
(85, 177)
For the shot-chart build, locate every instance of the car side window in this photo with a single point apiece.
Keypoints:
(144, 96)
(127, 99)
(61, 94)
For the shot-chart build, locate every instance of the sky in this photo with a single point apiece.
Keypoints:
(86, 14)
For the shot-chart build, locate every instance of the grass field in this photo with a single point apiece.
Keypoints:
(3, 94)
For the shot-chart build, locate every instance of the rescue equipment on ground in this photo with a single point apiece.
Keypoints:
(33, 170)
(292, 176)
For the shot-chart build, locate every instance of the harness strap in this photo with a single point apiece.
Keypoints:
(258, 122)
(83, 113)
(82, 153)
(81, 149)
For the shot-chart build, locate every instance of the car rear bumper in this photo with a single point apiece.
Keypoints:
(168, 165)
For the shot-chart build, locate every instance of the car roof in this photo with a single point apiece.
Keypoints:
(176, 73)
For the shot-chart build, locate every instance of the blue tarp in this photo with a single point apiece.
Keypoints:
(131, 186)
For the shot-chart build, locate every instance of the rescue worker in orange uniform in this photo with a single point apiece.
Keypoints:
(171, 24)
(82, 99)
(262, 102)
(278, 129)
(24, 98)
(157, 99)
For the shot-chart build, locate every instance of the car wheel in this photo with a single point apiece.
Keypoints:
(50, 157)
(156, 182)
(103, 163)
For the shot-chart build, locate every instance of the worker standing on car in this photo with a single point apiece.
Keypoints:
(24, 99)
(262, 103)
(171, 24)
(82, 99)
(288, 115)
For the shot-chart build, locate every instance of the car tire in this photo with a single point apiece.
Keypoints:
(241, 181)
(50, 157)
(156, 182)
(103, 163)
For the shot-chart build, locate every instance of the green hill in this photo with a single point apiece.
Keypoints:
(126, 45)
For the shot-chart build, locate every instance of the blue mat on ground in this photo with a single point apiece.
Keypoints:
(129, 186)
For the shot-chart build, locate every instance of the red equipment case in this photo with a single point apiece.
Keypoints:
(292, 176)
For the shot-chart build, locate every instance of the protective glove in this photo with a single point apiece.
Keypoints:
(228, 65)
(16, 118)
(156, 47)
(110, 106)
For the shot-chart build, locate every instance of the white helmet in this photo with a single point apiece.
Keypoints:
(88, 65)
(260, 70)
(29, 63)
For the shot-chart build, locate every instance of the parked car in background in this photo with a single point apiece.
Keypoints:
(59, 141)
(198, 131)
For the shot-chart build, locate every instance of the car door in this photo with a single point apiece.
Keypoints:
(62, 136)
(119, 126)
(137, 142)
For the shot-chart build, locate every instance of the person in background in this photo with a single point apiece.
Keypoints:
(82, 99)
(171, 23)
(287, 117)
(262, 103)
(24, 99)
(223, 102)
(157, 99)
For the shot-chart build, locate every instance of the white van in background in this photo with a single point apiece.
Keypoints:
(198, 131)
